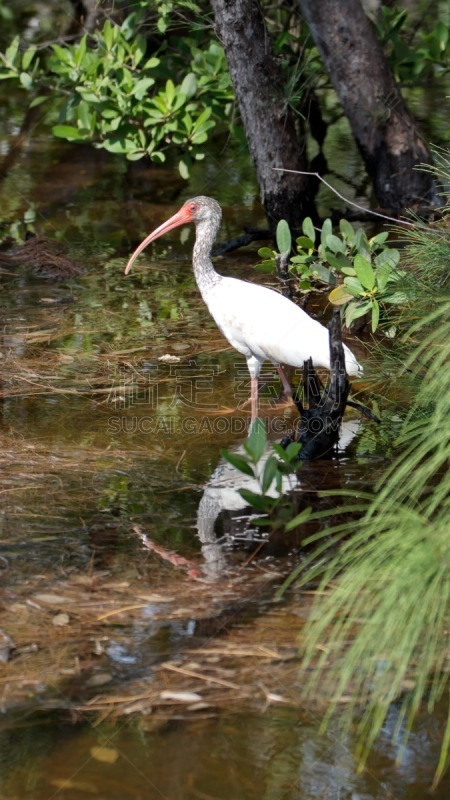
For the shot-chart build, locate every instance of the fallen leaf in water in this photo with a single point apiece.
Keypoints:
(276, 698)
(99, 680)
(180, 697)
(27, 648)
(199, 706)
(6, 645)
(180, 346)
(154, 598)
(51, 599)
(169, 359)
(106, 754)
(61, 619)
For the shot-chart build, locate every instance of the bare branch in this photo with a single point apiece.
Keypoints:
(416, 224)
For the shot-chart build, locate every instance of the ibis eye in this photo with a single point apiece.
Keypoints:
(193, 208)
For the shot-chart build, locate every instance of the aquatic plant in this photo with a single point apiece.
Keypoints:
(378, 632)
(362, 273)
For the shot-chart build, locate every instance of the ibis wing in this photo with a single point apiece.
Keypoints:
(261, 322)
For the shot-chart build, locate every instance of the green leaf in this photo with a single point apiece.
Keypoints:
(89, 97)
(29, 216)
(321, 272)
(353, 285)
(140, 87)
(28, 57)
(361, 243)
(334, 244)
(170, 91)
(64, 54)
(292, 450)
(283, 236)
(200, 137)
(380, 238)
(396, 298)
(257, 440)
(442, 33)
(115, 146)
(389, 257)
(255, 500)
(85, 118)
(37, 101)
(364, 271)
(109, 113)
(339, 261)
(12, 50)
(269, 474)
(151, 63)
(356, 310)
(238, 462)
(383, 275)
(347, 231)
(80, 51)
(266, 266)
(375, 315)
(299, 519)
(183, 169)
(339, 296)
(67, 132)
(327, 230)
(304, 243)
(139, 48)
(308, 229)
(136, 155)
(156, 155)
(26, 80)
(288, 454)
(189, 85)
(266, 252)
(280, 451)
(203, 117)
(304, 259)
(107, 34)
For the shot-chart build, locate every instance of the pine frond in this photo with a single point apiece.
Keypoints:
(380, 625)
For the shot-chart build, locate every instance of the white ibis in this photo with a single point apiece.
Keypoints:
(259, 322)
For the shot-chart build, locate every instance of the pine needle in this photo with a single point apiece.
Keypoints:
(380, 633)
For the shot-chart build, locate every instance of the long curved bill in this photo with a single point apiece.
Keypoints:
(180, 218)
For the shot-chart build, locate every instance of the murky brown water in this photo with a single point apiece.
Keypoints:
(103, 438)
(270, 756)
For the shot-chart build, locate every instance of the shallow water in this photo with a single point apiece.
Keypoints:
(230, 756)
(105, 439)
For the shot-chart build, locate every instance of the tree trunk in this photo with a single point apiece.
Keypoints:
(269, 123)
(384, 129)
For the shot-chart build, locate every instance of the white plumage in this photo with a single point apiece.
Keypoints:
(257, 321)
(262, 323)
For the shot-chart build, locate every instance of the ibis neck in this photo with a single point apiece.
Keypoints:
(205, 274)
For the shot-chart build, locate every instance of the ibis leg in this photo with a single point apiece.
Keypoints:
(286, 385)
(254, 397)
